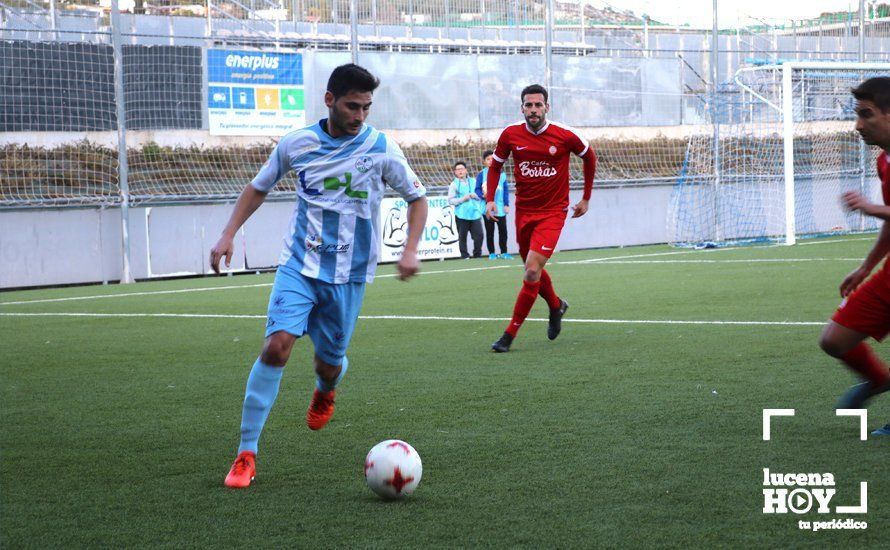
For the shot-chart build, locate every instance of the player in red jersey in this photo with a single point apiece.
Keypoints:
(541, 169)
(865, 309)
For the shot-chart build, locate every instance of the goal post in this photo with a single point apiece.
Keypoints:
(853, 72)
(787, 149)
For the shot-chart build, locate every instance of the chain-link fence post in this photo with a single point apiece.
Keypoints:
(116, 40)
(353, 30)
(548, 45)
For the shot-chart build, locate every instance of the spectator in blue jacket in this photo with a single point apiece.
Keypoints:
(468, 208)
(502, 200)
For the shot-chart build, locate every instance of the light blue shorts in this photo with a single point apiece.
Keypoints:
(327, 312)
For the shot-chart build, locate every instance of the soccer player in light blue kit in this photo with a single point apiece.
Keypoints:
(330, 250)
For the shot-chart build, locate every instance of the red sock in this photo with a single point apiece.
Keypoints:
(524, 302)
(547, 291)
(864, 361)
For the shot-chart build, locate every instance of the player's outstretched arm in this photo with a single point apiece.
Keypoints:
(874, 257)
(408, 265)
(249, 200)
(853, 280)
(491, 210)
(855, 201)
(589, 161)
(580, 208)
(491, 187)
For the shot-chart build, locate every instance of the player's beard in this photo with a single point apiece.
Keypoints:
(535, 126)
(341, 123)
(870, 139)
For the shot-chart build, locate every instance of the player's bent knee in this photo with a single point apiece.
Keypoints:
(277, 348)
(832, 345)
(325, 370)
(533, 274)
(827, 345)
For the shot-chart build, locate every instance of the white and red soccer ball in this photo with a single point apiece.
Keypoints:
(393, 469)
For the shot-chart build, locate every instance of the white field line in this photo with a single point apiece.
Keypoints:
(872, 238)
(134, 315)
(129, 294)
(429, 318)
(515, 266)
(654, 254)
(608, 259)
(751, 261)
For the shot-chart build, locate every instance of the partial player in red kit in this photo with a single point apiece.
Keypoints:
(865, 309)
(540, 152)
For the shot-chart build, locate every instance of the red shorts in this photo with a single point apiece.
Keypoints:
(538, 231)
(867, 309)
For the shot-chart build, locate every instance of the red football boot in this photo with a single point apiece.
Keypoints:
(321, 409)
(243, 471)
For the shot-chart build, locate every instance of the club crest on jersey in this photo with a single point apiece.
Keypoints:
(363, 164)
(552, 149)
(313, 242)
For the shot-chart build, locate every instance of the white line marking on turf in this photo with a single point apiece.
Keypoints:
(627, 256)
(159, 315)
(231, 287)
(390, 275)
(462, 270)
(752, 260)
(600, 321)
(431, 318)
(129, 294)
(838, 241)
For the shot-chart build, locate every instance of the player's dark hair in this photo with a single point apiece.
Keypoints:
(459, 163)
(876, 90)
(487, 153)
(351, 78)
(534, 89)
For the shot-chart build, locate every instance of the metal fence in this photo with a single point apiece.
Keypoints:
(110, 109)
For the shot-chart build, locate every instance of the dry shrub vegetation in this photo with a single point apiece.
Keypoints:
(84, 172)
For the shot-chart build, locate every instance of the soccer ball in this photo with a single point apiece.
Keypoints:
(393, 469)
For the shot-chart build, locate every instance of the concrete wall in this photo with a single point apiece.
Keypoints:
(43, 247)
(69, 246)
(53, 247)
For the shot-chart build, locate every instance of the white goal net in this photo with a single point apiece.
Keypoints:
(782, 150)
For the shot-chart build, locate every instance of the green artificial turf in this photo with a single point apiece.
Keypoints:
(117, 430)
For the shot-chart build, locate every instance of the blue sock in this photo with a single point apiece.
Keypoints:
(262, 389)
(329, 386)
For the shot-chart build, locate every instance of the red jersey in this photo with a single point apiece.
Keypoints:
(540, 163)
(867, 309)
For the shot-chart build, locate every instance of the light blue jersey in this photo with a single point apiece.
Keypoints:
(334, 232)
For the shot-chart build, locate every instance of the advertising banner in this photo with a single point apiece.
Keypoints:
(252, 93)
(439, 236)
